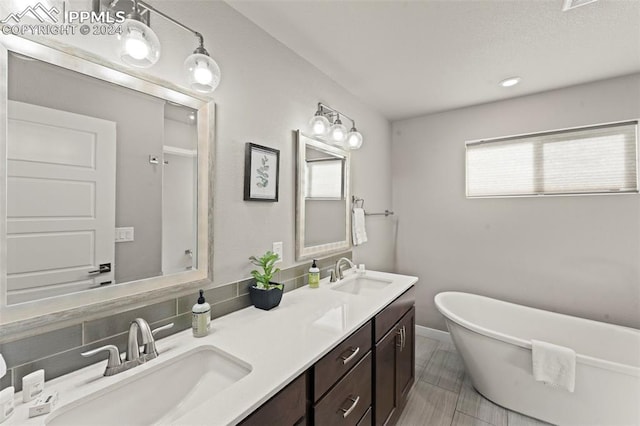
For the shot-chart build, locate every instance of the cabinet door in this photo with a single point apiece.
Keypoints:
(385, 376)
(405, 368)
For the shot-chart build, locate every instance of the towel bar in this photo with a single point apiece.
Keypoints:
(359, 203)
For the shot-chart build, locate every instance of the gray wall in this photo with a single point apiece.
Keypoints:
(180, 135)
(138, 183)
(577, 255)
(266, 92)
(325, 221)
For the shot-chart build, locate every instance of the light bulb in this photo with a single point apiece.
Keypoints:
(338, 132)
(139, 45)
(136, 47)
(354, 139)
(203, 73)
(319, 125)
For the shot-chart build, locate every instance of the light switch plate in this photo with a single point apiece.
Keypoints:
(278, 248)
(124, 234)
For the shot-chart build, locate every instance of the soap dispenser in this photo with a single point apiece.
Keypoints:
(201, 317)
(314, 275)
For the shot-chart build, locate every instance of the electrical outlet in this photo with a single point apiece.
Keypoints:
(279, 250)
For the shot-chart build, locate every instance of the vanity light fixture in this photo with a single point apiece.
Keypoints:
(319, 124)
(326, 123)
(203, 73)
(510, 82)
(338, 132)
(354, 138)
(140, 47)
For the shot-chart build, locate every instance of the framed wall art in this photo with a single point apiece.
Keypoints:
(261, 173)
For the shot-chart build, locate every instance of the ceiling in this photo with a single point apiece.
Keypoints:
(409, 58)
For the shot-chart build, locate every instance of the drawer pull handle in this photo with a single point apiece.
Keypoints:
(354, 352)
(399, 344)
(347, 411)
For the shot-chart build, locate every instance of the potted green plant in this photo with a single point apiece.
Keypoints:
(264, 293)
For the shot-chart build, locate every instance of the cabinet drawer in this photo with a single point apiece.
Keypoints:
(348, 401)
(336, 363)
(392, 313)
(367, 419)
(287, 407)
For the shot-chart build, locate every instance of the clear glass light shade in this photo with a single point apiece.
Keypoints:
(319, 125)
(203, 73)
(354, 139)
(139, 45)
(338, 133)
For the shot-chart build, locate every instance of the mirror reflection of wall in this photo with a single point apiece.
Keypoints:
(65, 126)
(324, 197)
(179, 189)
(322, 213)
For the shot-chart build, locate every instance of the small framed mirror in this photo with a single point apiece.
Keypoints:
(323, 219)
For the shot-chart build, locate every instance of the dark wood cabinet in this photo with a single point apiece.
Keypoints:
(367, 419)
(287, 408)
(340, 360)
(394, 362)
(348, 401)
(406, 367)
(385, 374)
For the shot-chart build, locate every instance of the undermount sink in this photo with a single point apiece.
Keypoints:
(159, 395)
(361, 285)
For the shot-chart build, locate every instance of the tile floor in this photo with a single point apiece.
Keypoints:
(443, 396)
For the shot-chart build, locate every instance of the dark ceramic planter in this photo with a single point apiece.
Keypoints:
(265, 299)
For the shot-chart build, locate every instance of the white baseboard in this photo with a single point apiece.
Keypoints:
(432, 333)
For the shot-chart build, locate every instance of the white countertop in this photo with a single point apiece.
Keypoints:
(279, 344)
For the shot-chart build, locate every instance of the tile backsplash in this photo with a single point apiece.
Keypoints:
(58, 352)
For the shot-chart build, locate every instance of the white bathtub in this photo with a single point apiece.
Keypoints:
(494, 340)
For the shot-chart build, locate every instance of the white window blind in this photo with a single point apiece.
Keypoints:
(599, 159)
(324, 179)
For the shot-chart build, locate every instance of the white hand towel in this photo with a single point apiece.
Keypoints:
(554, 365)
(358, 230)
(3, 367)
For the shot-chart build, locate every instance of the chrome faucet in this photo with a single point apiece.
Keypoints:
(134, 358)
(133, 347)
(338, 275)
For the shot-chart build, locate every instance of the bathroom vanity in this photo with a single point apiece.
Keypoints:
(339, 354)
(366, 377)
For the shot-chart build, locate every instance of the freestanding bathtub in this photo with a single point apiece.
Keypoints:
(494, 340)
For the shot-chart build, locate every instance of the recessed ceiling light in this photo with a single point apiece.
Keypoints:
(511, 81)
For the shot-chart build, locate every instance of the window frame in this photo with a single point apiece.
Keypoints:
(635, 122)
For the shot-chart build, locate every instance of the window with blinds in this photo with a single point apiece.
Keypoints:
(324, 179)
(590, 160)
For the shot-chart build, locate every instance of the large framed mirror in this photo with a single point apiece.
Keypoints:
(106, 179)
(323, 219)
